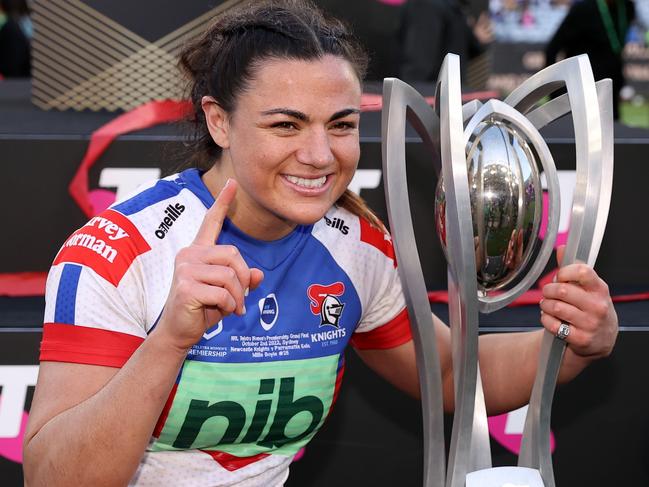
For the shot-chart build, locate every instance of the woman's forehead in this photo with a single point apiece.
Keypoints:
(329, 82)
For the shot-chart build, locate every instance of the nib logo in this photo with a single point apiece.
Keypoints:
(507, 429)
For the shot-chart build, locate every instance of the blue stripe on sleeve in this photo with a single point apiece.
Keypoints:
(162, 190)
(66, 295)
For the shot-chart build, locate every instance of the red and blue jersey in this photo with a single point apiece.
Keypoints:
(255, 388)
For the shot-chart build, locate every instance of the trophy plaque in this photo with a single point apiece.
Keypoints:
(490, 158)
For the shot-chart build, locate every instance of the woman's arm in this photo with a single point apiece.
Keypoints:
(508, 361)
(90, 425)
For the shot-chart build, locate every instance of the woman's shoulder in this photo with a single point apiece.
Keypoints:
(157, 215)
(352, 230)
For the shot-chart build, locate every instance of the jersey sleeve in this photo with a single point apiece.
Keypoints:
(95, 305)
(385, 322)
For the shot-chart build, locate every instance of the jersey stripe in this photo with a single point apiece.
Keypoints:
(162, 190)
(232, 463)
(85, 345)
(392, 334)
(377, 238)
(165, 412)
(66, 295)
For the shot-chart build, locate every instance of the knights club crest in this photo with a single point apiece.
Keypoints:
(325, 302)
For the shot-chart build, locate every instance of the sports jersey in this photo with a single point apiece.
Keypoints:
(255, 388)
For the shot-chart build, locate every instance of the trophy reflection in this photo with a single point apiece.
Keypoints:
(490, 158)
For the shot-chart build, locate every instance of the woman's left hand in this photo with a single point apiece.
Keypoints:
(581, 299)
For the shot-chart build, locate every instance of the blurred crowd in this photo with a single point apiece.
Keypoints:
(15, 38)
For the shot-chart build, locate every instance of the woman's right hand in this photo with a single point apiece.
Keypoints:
(210, 281)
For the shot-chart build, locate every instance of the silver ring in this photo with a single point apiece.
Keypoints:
(563, 331)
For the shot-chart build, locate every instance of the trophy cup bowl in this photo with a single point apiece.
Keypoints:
(506, 204)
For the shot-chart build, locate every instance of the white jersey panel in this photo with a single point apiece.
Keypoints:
(197, 469)
(159, 261)
(373, 273)
(99, 304)
(51, 287)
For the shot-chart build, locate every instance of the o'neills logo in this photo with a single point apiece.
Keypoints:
(338, 223)
(173, 212)
(108, 244)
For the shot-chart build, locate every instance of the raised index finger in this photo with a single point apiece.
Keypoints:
(213, 219)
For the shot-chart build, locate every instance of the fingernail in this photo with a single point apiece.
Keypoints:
(246, 292)
(243, 311)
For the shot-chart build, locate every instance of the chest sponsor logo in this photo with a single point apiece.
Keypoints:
(338, 223)
(275, 405)
(173, 212)
(325, 302)
(268, 311)
(108, 244)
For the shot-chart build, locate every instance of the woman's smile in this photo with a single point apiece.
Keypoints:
(307, 185)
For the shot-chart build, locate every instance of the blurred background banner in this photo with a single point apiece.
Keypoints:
(92, 61)
(102, 55)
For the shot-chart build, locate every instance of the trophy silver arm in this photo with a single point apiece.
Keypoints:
(470, 449)
(590, 207)
(401, 103)
(560, 106)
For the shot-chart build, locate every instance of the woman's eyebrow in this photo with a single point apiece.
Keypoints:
(304, 117)
(344, 113)
(287, 111)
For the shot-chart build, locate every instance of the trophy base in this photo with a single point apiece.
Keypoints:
(505, 477)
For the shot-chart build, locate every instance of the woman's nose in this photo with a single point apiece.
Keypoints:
(316, 150)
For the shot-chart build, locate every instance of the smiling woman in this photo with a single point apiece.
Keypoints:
(293, 153)
(206, 348)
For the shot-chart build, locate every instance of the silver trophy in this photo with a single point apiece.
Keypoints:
(488, 215)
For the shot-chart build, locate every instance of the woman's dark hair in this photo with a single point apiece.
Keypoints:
(14, 8)
(222, 62)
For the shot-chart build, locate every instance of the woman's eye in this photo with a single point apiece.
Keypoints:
(284, 125)
(344, 125)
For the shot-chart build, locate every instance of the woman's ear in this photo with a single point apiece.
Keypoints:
(218, 123)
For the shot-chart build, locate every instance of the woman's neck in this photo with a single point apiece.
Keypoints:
(245, 213)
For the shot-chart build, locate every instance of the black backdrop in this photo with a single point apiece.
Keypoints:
(373, 437)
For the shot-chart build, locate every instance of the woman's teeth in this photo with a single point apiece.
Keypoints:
(307, 183)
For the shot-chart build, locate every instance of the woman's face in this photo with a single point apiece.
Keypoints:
(291, 142)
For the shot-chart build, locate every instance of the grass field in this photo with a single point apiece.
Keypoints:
(635, 113)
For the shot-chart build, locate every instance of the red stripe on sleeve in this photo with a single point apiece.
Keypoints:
(376, 238)
(392, 334)
(84, 345)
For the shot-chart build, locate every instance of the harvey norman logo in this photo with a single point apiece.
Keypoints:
(111, 232)
(108, 244)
